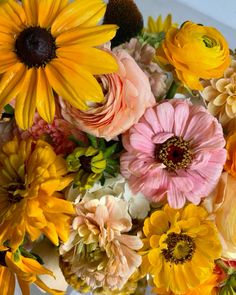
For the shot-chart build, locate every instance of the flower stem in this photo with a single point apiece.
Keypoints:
(172, 90)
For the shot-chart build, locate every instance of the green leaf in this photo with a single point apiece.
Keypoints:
(16, 255)
(93, 140)
(102, 144)
(110, 151)
(102, 180)
(9, 109)
(76, 141)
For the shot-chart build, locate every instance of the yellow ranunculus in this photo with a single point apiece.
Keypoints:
(195, 51)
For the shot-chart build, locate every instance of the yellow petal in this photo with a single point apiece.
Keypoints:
(73, 83)
(56, 205)
(7, 281)
(51, 233)
(24, 286)
(77, 13)
(44, 287)
(32, 266)
(26, 100)
(92, 36)
(151, 25)
(7, 60)
(45, 98)
(31, 10)
(11, 83)
(92, 60)
(9, 12)
(48, 11)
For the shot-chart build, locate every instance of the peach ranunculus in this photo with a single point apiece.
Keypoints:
(230, 165)
(221, 204)
(127, 95)
(195, 51)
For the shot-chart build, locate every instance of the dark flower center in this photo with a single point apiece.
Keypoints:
(13, 193)
(35, 47)
(86, 163)
(174, 153)
(180, 248)
(2, 258)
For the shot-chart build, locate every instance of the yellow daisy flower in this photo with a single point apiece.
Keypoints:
(31, 175)
(26, 271)
(180, 248)
(48, 45)
(158, 25)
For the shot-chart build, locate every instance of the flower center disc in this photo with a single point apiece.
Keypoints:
(180, 248)
(35, 47)
(174, 153)
(14, 195)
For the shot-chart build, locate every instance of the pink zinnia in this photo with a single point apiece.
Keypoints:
(175, 151)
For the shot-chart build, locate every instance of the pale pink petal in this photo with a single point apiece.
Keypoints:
(141, 144)
(151, 118)
(165, 114)
(175, 197)
(181, 118)
(161, 137)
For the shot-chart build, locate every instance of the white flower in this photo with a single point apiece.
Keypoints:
(117, 186)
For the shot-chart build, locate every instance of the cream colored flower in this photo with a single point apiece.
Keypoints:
(220, 95)
(100, 250)
(222, 205)
(117, 186)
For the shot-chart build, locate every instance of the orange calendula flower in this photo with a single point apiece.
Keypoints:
(180, 248)
(195, 52)
(31, 176)
(230, 165)
(49, 45)
(26, 271)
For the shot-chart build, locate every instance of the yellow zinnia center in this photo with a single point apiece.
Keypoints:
(180, 248)
(35, 47)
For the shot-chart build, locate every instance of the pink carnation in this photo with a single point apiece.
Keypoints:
(175, 151)
(127, 95)
(57, 134)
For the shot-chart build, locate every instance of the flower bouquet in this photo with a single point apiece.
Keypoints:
(117, 151)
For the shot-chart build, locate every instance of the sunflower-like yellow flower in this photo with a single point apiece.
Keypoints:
(208, 287)
(49, 45)
(27, 271)
(89, 163)
(195, 51)
(180, 248)
(158, 25)
(31, 176)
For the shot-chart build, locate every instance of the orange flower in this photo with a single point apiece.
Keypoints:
(31, 176)
(230, 165)
(195, 51)
(27, 271)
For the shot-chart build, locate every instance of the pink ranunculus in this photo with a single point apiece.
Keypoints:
(175, 151)
(57, 134)
(127, 95)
